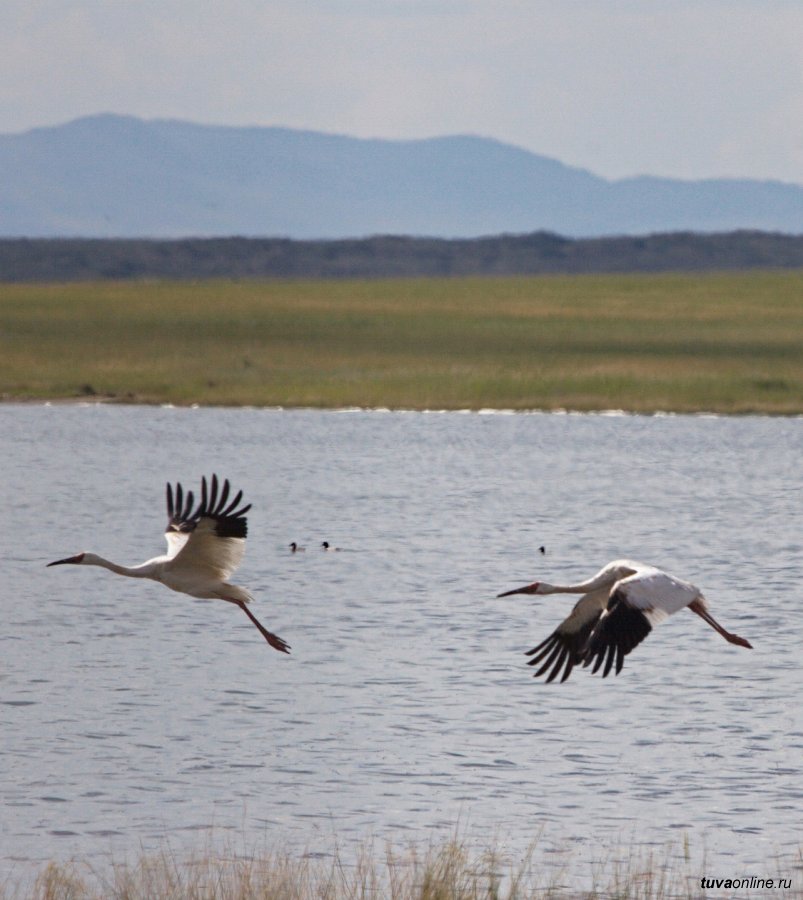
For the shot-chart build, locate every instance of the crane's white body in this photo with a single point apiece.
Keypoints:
(204, 548)
(618, 609)
(178, 574)
(646, 587)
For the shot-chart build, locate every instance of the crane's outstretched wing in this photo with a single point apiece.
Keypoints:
(211, 537)
(564, 648)
(636, 604)
(620, 630)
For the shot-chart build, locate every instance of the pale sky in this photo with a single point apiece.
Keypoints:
(681, 88)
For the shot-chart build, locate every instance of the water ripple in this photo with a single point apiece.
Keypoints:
(131, 713)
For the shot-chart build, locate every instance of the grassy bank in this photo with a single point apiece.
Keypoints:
(729, 342)
(447, 872)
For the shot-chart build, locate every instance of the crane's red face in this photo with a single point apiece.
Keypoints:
(75, 560)
(527, 589)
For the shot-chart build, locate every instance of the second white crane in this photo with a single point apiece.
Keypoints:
(619, 606)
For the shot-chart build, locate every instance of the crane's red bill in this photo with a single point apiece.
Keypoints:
(75, 560)
(527, 589)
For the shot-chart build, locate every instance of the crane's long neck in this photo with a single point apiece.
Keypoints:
(142, 571)
(603, 579)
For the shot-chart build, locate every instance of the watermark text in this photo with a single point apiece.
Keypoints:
(751, 883)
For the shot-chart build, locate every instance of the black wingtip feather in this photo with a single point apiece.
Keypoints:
(569, 667)
(564, 649)
(617, 633)
(233, 505)
(559, 663)
(224, 496)
(542, 650)
(229, 521)
(609, 660)
(557, 650)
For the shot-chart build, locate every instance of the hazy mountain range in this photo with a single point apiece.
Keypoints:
(118, 176)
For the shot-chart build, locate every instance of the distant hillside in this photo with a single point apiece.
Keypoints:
(117, 176)
(386, 257)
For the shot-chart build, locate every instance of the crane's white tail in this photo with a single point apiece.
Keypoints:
(235, 594)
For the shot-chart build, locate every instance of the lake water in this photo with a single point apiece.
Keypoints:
(132, 715)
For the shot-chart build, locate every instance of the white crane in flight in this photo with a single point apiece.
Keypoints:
(204, 548)
(619, 606)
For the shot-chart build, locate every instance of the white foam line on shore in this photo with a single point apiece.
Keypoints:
(483, 411)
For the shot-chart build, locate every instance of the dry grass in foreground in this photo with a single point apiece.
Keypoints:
(447, 872)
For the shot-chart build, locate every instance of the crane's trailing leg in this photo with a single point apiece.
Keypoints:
(273, 639)
(697, 607)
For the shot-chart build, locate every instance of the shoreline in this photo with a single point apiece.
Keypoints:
(610, 412)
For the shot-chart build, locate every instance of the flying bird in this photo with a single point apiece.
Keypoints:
(204, 548)
(618, 609)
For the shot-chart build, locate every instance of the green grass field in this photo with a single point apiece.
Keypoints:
(724, 342)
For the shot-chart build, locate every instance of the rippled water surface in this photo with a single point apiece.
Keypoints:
(132, 715)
